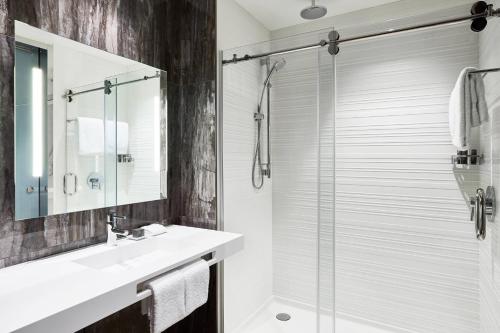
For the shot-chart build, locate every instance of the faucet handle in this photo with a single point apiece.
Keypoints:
(113, 217)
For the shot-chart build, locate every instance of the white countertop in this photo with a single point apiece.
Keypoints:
(67, 292)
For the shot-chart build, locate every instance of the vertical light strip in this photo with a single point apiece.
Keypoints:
(156, 133)
(37, 121)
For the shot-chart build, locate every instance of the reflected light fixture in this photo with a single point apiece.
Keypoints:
(37, 121)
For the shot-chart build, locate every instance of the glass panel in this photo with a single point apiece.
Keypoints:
(31, 132)
(326, 195)
(279, 273)
(86, 151)
(406, 253)
(110, 144)
(138, 137)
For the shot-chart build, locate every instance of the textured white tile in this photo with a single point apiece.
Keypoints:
(406, 256)
(489, 50)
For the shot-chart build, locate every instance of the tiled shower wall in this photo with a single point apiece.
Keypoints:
(302, 151)
(406, 253)
(176, 36)
(489, 249)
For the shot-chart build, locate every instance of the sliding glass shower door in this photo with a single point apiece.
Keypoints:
(283, 279)
(406, 252)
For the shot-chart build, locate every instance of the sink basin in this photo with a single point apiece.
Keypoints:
(108, 278)
(126, 255)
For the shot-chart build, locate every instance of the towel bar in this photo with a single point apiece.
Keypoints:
(146, 293)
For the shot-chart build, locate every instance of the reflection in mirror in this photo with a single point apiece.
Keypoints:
(90, 127)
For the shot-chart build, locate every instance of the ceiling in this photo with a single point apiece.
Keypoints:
(277, 14)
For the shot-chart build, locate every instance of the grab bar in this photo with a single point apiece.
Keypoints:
(147, 292)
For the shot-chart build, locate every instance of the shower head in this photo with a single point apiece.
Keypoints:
(313, 12)
(279, 64)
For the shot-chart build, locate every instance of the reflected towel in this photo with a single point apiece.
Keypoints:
(122, 138)
(90, 136)
(168, 301)
(116, 137)
(467, 107)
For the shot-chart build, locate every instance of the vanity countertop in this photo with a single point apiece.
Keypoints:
(67, 292)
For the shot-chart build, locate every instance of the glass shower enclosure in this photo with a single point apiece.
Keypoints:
(362, 223)
(278, 130)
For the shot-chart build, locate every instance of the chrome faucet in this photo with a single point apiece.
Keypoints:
(114, 232)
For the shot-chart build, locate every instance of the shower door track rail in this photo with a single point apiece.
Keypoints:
(334, 40)
(108, 85)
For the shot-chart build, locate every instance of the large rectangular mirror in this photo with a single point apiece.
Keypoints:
(90, 127)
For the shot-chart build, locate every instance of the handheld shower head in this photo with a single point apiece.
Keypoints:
(313, 12)
(276, 67)
(279, 64)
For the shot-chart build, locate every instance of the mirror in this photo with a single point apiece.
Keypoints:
(90, 127)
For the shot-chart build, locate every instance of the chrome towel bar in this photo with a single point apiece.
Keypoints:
(147, 293)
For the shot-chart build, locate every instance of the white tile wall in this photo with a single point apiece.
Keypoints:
(406, 255)
(489, 255)
(295, 178)
(302, 122)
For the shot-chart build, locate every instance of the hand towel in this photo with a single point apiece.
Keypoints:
(121, 137)
(90, 136)
(116, 137)
(197, 278)
(154, 229)
(168, 305)
(467, 107)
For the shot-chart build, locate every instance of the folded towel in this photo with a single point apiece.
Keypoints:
(467, 107)
(90, 136)
(121, 137)
(168, 301)
(154, 229)
(197, 277)
(116, 137)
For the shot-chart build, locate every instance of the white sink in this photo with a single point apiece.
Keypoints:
(127, 255)
(107, 278)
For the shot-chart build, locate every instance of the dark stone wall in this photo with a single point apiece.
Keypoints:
(178, 36)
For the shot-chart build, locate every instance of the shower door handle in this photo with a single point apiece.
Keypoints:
(482, 208)
(65, 183)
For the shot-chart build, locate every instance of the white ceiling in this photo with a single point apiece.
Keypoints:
(277, 14)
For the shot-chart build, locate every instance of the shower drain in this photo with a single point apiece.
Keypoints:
(283, 316)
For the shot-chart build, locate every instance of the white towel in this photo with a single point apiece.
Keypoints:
(168, 301)
(154, 229)
(197, 278)
(467, 107)
(90, 136)
(116, 137)
(122, 137)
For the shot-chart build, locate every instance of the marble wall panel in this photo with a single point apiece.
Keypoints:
(175, 35)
